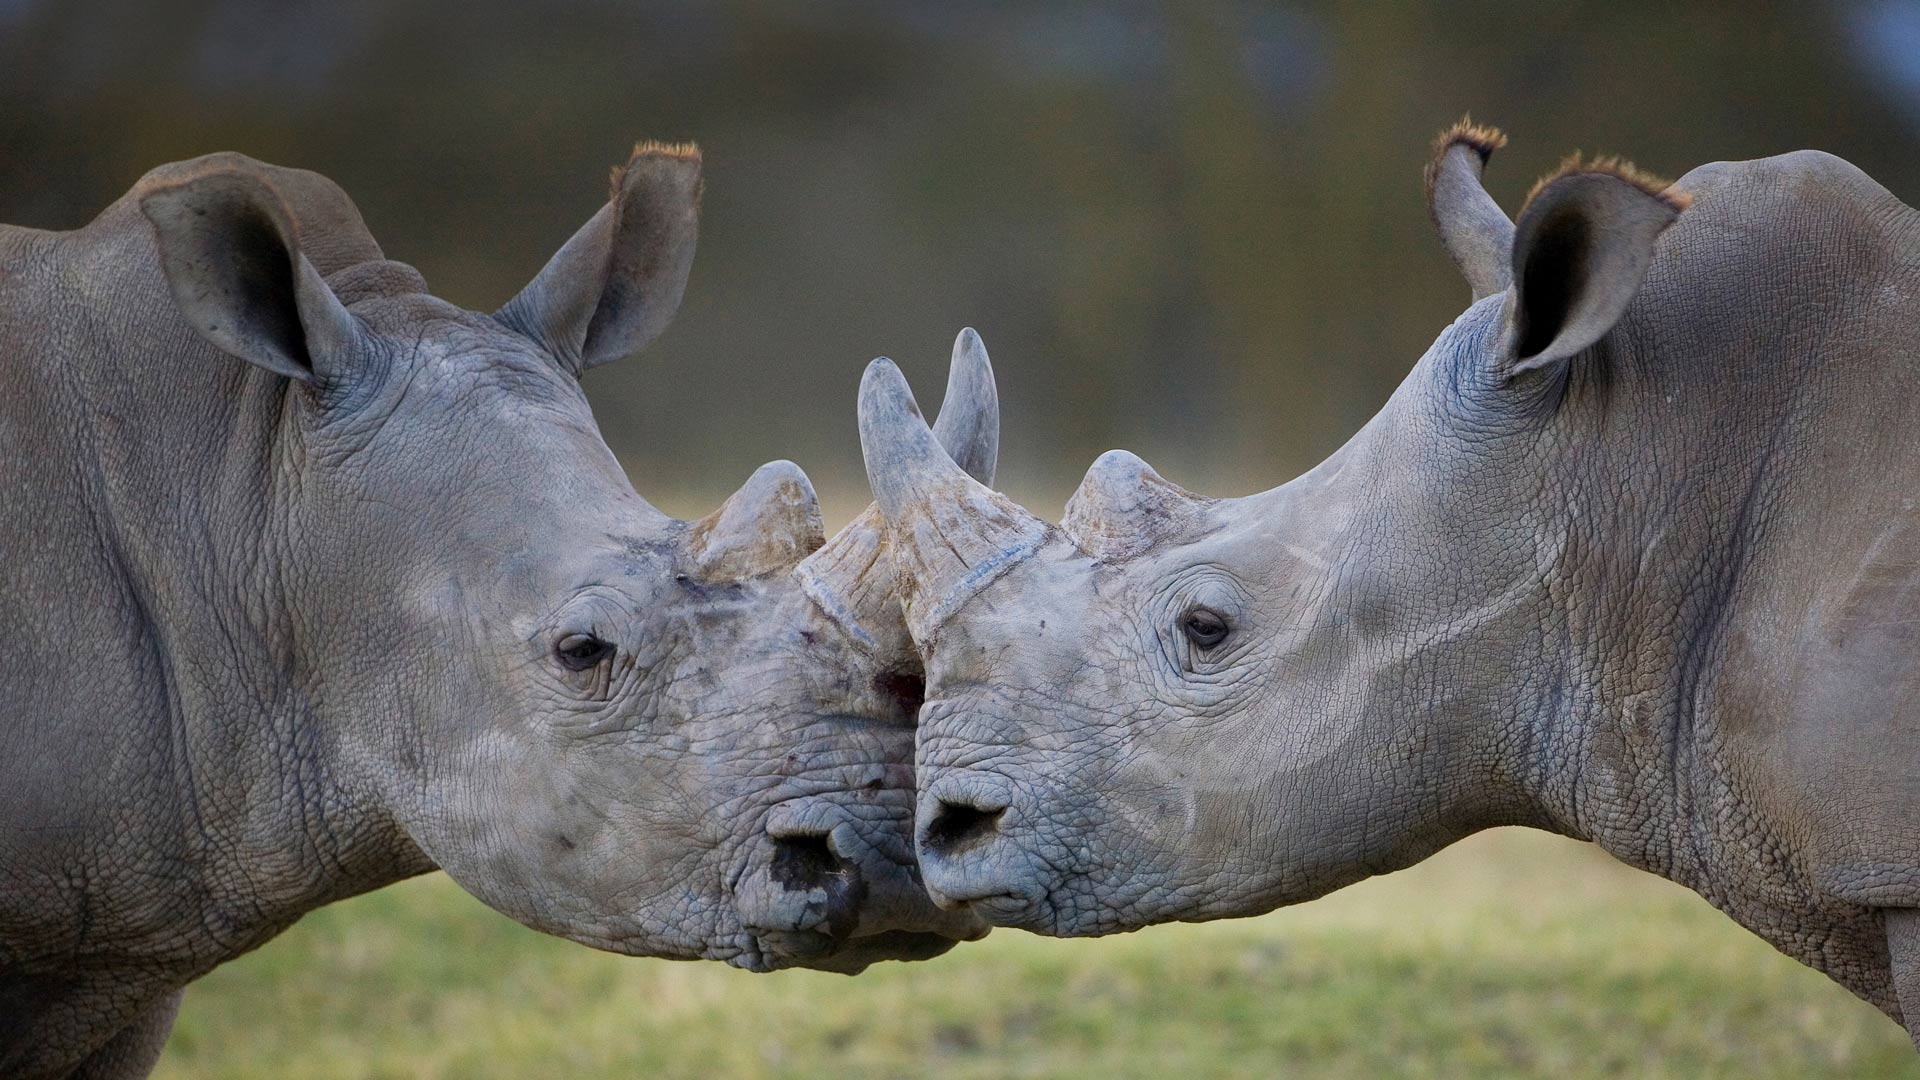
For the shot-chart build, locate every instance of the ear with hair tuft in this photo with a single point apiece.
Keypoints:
(1123, 508)
(617, 283)
(766, 527)
(1581, 250)
(1474, 229)
(230, 253)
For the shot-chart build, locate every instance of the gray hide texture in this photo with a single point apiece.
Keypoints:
(1631, 556)
(315, 582)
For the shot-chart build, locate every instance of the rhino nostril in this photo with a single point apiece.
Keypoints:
(805, 861)
(958, 826)
(814, 879)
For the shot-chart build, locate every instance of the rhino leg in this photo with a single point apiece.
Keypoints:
(132, 1054)
(1903, 950)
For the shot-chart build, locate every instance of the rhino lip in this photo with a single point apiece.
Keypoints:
(778, 950)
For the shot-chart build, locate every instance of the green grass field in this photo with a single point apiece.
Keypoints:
(1513, 954)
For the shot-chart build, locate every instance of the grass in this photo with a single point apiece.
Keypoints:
(1513, 954)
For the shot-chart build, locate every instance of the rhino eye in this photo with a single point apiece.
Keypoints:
(1204, 627)
(578, 652)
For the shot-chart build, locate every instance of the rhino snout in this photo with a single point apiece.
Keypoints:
(968, 856)
(834, 886)
(961, 813)
(805, 893)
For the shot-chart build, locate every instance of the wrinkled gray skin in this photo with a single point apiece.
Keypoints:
(1632, 555)
(381, 601)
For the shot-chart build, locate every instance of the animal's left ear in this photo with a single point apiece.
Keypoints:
(1580, 253)
(617, 283)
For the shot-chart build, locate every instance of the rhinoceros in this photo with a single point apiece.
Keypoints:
(1631, 555)
(379, 600)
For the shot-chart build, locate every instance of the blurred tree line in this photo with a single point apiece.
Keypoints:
(1191, 229)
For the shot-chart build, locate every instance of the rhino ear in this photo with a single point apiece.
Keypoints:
(1476, 233)
(766, 527)
(615, 286)
(1580, 253)
(231, 256)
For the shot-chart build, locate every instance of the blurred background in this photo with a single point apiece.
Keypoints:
(1192, 230)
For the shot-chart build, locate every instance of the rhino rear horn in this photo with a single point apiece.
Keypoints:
(1123, 508)
(617, 283)
(766, 527)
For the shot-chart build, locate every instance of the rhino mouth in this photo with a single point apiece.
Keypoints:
(824, 898)
(780, 950)
(831, 880)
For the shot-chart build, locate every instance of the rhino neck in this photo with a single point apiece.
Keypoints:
(200, 711)
(1549, 682)
(1740, 467)
(1722, 464)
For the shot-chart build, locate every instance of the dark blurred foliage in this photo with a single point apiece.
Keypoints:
(1193, 230)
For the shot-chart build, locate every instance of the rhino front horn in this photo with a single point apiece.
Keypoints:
(968, 426)
(950, 535)
(851, 577)
(766, 527)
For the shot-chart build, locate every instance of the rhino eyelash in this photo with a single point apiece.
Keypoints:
(582, 652)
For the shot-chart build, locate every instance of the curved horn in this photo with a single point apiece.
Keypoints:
(1474, 229)
(948, 534)
(969, 423)
(850, 577)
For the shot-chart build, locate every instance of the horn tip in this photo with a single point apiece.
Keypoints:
(883, 386)
(780, 473)
(1114, 459)
(1117, 464)
(969, 352)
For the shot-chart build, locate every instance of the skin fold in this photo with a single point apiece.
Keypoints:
(316, 582)
(1631, 556)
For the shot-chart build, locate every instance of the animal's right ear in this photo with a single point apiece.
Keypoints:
(231, 256)
(615, 286)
